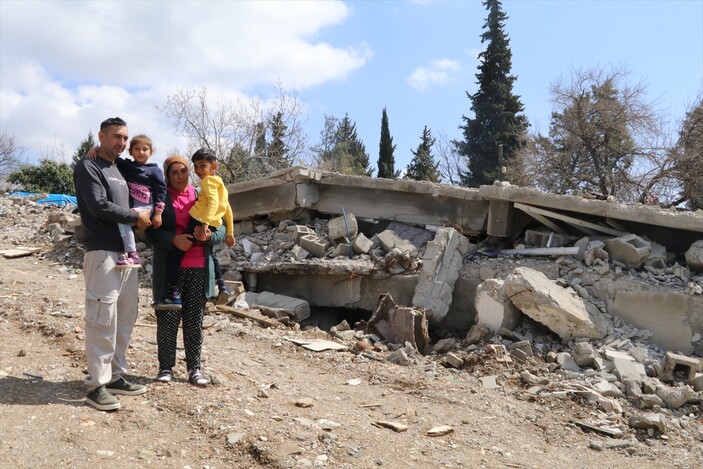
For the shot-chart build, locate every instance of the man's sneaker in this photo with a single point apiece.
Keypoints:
(124, 387)
(101, 399)
(131, 261)
(224, 297)
(197, 378)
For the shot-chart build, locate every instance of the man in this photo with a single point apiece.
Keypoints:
(111, 295)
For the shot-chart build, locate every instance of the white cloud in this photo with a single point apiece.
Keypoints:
(439, 72)
(65, 66)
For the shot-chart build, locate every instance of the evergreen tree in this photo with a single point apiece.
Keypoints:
(423, 167)
(496, 109)
(341, 150)
(386, 160)
(83, 148)
(50, 177)
(277, 150)
(260, 139)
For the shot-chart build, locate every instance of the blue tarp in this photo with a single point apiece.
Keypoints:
(56, 199)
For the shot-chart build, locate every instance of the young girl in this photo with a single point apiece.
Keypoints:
(147, 191)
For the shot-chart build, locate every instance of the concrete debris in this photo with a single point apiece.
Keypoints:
(629, 250)
(694, 255)
(679, 367)
(547, 303)
(399, 324)
(649, 420)
(493, 308)
(441, 264)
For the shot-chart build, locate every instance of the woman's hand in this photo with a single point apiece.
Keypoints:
(183, 241)
(202, 233)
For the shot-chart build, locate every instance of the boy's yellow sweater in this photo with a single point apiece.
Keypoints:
(213, 204)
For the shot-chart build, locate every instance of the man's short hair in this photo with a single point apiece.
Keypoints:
(204, 154)
(112, 121)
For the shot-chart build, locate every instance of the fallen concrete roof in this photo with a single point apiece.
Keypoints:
(414, 202)
(646, 214)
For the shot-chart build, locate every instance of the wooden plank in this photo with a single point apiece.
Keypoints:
(581, 224)
(247, 315)
(543, 220)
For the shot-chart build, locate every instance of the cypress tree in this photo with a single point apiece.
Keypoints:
(497, 119)
(386, 160)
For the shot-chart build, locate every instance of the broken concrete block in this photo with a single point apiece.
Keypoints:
(361, 244)
(694, 255)
(477, 333)
(628, 369)
(675, 397)
(399, 357)
(489, 382)
(566, 362)
(389, 241)
(295, 308)
(314, 245)
(493, 307)
(343, 228)
(657, 257)
(243, 227)
(299, 253)
(629, 249)
(584, 354)
(342, 250)
(679, 367)
(301, 230)
(547, 303)
(399, 324)
(697, 382)
(523, 345)
(440, 268)
(452, 360)
(649, 420)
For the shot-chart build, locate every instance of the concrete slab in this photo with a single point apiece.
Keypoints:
(665, 314)
(547, 303)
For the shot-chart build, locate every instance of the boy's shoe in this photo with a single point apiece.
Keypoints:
(174, 296)
(124, 387)
(131, 261)
(164, 376)
(101, 399)
(166, 305)
(224, 296)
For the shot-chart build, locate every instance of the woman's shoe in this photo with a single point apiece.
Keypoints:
(164, 376)
(197, 378)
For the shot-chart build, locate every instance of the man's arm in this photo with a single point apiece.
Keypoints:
(93, 194)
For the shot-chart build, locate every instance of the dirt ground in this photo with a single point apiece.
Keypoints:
(274, 404)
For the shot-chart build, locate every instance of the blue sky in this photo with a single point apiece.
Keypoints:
(84, 61)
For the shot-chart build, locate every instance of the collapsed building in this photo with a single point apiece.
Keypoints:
(583, 296)
(340, 241)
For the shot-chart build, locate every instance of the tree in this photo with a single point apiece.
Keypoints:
(689, 155)
(277, 149)
(232, 129)
(450, 164)
(604, 138)
(497, 119)
(82, 149)
(50, 177)
(422, 167)
(10, 153)
(340, 148)
(386, 160)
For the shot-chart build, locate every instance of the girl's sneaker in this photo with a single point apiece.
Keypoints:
(130, 261)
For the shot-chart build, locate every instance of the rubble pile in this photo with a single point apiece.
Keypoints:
(572, 332)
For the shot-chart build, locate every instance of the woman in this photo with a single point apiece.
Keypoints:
(195, 278)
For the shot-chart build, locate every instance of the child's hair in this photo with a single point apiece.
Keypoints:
(204, 154)
(141, 138)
